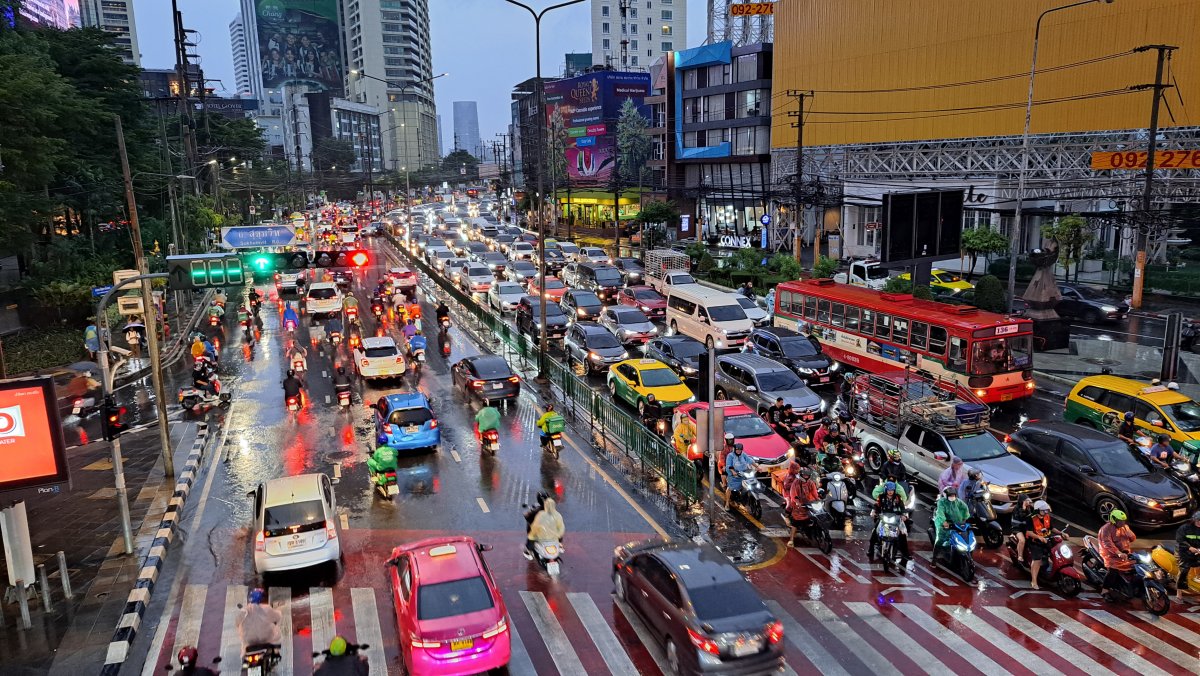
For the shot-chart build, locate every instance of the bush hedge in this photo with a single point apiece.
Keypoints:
(42, 349)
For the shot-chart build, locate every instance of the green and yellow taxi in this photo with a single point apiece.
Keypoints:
(940, 280)
(634, 379)
(1101, 402)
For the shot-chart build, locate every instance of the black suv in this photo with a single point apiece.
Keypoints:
(797, 352)
(528, 318)
(592, 347)
(602, 279)
(1087, 467)
(680, 352)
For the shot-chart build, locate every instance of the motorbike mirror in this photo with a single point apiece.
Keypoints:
(217, 660)
(1086, 469)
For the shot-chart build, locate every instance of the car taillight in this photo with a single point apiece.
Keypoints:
(1007, 438)
(703, 642)
(477, 383)
(418, 643)
(387, 428)
(1029, 385)
(514, 379)
(499, 628)
(260, 541)
(775, 632)
(78, 403)
(980, 393)
(433, 423)
(330, 531)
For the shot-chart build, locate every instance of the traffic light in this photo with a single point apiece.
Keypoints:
(264, 263)
(204, 271)
(355, 258)
(114, 420)
(261, 263)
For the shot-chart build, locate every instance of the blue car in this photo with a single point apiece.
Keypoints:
(405, 422)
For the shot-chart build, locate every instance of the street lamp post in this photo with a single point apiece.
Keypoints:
(1015, 246)
(538, 92)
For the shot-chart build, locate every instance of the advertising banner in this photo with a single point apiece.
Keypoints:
(32, 452)
(299, 44)
(592, 103)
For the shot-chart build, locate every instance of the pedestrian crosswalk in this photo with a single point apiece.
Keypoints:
(569, 632)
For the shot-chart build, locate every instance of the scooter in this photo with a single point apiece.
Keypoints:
(1060, 570)
(548, 555)
(750, 494)
(258, 659)
(887, 531)
(335, 338)
(214, 320)
(1142, 582)
(416, 360)
(343, 397)
(82, 405)
(1164, 557)
(958, 555)
(193, 398)
(983, 517)
(293, 404)
(837, 498)
(552, 443)
(351, 314)
(385, 484)
(377, 309)
(816, 528)
(489, 441)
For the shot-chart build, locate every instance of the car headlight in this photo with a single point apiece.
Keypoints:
(805, 371)
(624, 355)
(834, 366)
(626, 332)
(653, 329)
(645, 308)
(593, 356)
(1045, 483)
(690, 399)
(1108, 308)
(823, 404)
(996, 489)
(690, 369)
(1143, 500)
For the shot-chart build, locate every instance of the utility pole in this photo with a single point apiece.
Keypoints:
(151, 316)
(187, 126)
(798, 188)
(1148, 220)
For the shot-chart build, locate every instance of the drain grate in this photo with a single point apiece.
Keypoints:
(338, 455)
(1099, 361)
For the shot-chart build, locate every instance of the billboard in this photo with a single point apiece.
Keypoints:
(299, 44)
(32, 452)
(582, 113)
(922, 225)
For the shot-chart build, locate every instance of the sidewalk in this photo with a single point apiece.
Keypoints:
(84, 523)
(1129, 360)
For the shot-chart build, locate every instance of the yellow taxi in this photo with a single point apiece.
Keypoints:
(940, 280)
(1101, 402)
(634, 379)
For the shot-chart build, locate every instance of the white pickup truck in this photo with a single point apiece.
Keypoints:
(666, 268)
(863, 273)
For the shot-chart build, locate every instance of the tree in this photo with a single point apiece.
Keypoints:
(990, 294)
(900, 285)
(455, 162)
(825, 267)
(633, 144)
(329, 153)
(785, 265)
(240, 138)
(659, 211)
(982, 241)
(1072, 235)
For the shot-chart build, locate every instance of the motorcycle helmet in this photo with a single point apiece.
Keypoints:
(974, 474)
(889, 486)
(894, 454)
(1196, 515)
(291, 373)
(728, 437)
(844, 415)
(1163, 439)
(341, 370)
(337, 647)
(187, 656)
(1128, 416)
(950, 492)
(549, 408)
(1116, 516)
(1042, 507)
(737, 447)
(257, 595)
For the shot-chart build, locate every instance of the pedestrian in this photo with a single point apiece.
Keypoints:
(91, 339)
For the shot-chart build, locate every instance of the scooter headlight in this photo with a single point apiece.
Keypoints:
(961, 546)
(1064, 551)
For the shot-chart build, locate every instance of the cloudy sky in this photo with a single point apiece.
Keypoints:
(485, 45)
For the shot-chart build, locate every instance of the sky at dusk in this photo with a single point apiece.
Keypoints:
(487, 46)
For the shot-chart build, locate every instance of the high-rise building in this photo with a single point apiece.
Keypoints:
(632, 34)
(466, 127)
(389, 65)
(241, 60)
(62, 14)
(115, 17)
(441, 136)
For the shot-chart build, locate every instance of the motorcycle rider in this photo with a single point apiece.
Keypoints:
(442, 312)
(381, 460)
(258, 622)
(1127, 429)
(775, 412)
(1114, 541)
(409, 330)
(341, 380)
(820, 437)
(891, 501)
(414, 310)
(1162, 454)
(289, 315)
(254, 298)
(845, 423)
(800, 492)
(547, 526)
(1187, 545)
(415, 342)
(953, 476)
(736, 463)
(188, 656)
(544, 421)
(341, 662)
(532, 512)
(202, 373)
(893, 468)
(197, 347)
(950, 512)
(685, 434)
(966, 489)
(651, 412)
(293, 387)
(334, 325)
(216, 309)
(1021, 517)
(349, 302)
(298, 354)
(1037, 537)
(487, 419)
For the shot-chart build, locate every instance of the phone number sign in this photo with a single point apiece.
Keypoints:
(752, 8)
(1133, 159)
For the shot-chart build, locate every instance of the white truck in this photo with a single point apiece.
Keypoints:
(866, 273)
(931, 421)
(666, 268)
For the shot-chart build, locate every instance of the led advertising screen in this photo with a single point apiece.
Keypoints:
(582, 113)
(299, 44)
(32, 452)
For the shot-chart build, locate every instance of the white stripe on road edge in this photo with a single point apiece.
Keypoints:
(552, 633)
(281, 600)
(1045, 638)
(367, 629)
(1189, 662)
(1172, 628)
(951, 640)
(803, 641)
(231, 641)
(482, 505)
(970, 620)
(1109, 647)
(602, 635)
(643, 635)
(345, 521)
(454, 454)
(188, 631)
(324, 625)
(910, 647)
(876, 663)
(519, 663)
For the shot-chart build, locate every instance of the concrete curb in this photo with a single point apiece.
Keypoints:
(139, 596)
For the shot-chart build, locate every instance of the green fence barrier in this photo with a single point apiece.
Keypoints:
(619, 428)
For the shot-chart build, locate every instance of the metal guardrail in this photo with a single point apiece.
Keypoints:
(613, 429)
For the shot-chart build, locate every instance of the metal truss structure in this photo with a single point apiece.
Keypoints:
(740, 30)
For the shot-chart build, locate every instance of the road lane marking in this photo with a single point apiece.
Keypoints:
(327, 400)
(231, 642)
(1164, 624)
(150, 666)
(324, 624)
(552, 633)
(345, 521)
(1189, 662)
(970, 620)
(1093, 638)
(803, 641)
(951, 640)
(870, 657)
(367, 629)
(602, 635)
(643, 634)
(281, 600)
(188, 630)
(482, 505)
(454, 454)
(893, 634)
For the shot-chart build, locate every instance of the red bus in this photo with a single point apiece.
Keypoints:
(989, 354)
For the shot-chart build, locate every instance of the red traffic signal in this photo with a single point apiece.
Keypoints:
(359, 258)
(114, 420)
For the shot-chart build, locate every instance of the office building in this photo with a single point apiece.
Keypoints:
(62, 14)
(312, 116)
(632, 34)
(116, 18)
(440, 148)
(466, 127)
(389, 66)
(241, 57)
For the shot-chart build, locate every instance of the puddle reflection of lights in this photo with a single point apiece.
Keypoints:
(1104, 336)
(815, 591)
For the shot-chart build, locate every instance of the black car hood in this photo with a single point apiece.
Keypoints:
(608, 352)
(817, 361)
(1155, 485)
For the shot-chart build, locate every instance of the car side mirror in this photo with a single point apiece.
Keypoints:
(941, 456)
(483, 547)
(751, 388)
(1086, 469)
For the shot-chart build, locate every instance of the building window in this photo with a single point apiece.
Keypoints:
(666, 30)
(633, 61)
(633, 28)
(633, 12)
(747, 67)
(391, 28)
(666, 46)
(390, 16)
(718, 74)
(604, 27)
(690, 79)
(603, 10)
(605, 44)
(633, 44)
(667, 15)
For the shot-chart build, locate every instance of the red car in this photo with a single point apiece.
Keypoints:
(758, 440)
(451, 617)
(554, 288)
(649, 301)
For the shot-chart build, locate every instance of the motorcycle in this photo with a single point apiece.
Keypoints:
(852, 468)
(445, 339)
(1142, 582)
(289, 325)
(81, 405)
(343, 396)
(1060, 571)
(1164, 557)
(489, 441)
(335, 338)
(416, 359)
(293, 404)
(299, 364)
(352, 649)
(958, 554)
(351, 314)
(888, 530)
(750, 494)
(983, 517)
(214, 320)
(385, 483)
(838, 498)
(377, 309)
(552, 443)
(192, 398)
(258, 659)
(816, 528)
(444, 323)
(548, 555)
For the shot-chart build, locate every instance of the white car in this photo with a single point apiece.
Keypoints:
(475, 278)
(295, 524)
(521, 251)
(403, 278)
(504, 296)
(754, 311)
(378, 357)
(323, 298)
(569, 250)
(438, 257)
(453, 269)
(289, 282)
(592, 254)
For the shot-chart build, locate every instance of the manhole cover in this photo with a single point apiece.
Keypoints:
(338, 455)
(1098, 361)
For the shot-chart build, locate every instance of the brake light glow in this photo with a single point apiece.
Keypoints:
(418, 643)
(387, 428)
(775, 632)
(476, 383)
(514, 379)
(980, 393)
(433, 423)
(330, 531)
(260, 541)
(703, 642)
(1029, 385)
(365, 362)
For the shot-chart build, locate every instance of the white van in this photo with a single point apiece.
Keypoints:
(708, 315)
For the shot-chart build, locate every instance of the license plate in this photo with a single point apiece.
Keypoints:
(75, 411)
(293, 544)
(497, 386)
(462, 644)
(411, 429)
(558, 442)
(1178, 512)
(552, 567)
(809, 416)
(742, 648)
(824, 379)
(1006, 397)
(393, 489)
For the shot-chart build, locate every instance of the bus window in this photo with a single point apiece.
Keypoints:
(883, 326)
(810, 308)
(1000, 355)
(919, 335)
(958, 354)
(839, 314)
(900, 331)
(937, 340)
(852, 318)
(868, 323)
(785, 301)
(823, 311)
